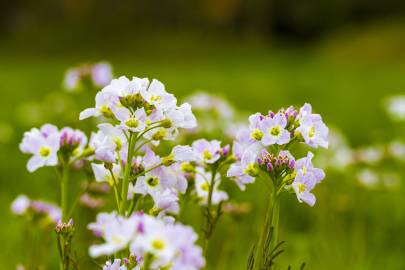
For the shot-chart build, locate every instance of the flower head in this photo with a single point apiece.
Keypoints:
(311, 127)
(43, 144)
(274, 130)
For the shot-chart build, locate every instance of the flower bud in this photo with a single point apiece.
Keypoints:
(168, 160)
(159, 135)
(187, 167)
(166, 123)
(65, 227)
(269, 167)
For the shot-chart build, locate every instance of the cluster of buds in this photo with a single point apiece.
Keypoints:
(65, 228)
(276, 165)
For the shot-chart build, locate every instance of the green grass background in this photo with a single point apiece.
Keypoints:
(346, 77)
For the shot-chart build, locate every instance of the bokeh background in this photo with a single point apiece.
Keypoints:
(343, 56)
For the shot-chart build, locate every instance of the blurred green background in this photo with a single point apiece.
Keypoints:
(343, 56)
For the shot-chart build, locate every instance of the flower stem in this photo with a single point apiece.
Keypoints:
(269, 235)
(64, 190)
(209, 226)
(127, 172)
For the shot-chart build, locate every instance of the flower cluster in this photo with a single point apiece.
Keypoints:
(153, 243)
(97, 75)
(202, 167)
(50, 146)
(139, 106)
(263, 147)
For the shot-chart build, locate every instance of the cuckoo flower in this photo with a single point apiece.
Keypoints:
(207, 152)
(274, 130)
(157, 96)
(43, 144)
(245, 171)
(105, 102)
(202, 185)
(311, 127)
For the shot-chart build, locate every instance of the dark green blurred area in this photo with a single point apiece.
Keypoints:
(344, 57)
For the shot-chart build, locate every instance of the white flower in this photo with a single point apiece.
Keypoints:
(43, 144)
(207, 151)
(123, 87)
(274, 131)
(103, 175)
(183, 153)
(202, 185)
(245, 171)
(117, 233)
(115, 265)
(105, 102)
(107, 142)
(156, 95)
(312, 129)
(167, 201)
(134, 122)
(368, 178)
(182, 117)
(168, 244)
(396, 107)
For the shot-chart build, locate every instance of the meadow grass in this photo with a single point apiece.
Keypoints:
(349, 227)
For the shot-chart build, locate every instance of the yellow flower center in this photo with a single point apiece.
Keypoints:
(156, 98)
(158, 244)
(207, 155)
(256, 134)
(311, 132)
(301, 187)
(251, 170)
(152, 181)
(105, 111)
(204, 186)
(132, 122)
(118, 143)
(275, 131)
(44, 151)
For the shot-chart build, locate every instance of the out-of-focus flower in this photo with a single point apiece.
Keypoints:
(104, 175)
(368, 178)
(397, 149)
(203, 101)
(245, 171)
(151, 241)
(101, 74)
(91, 202)
(202, 185)
(395, 107)
(97, 75)
(22, 205)
(117, 232)
(370, 155)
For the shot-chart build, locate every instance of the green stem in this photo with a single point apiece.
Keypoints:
(127, 172)
(64, 193)
(270, 226)
(208, 219)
